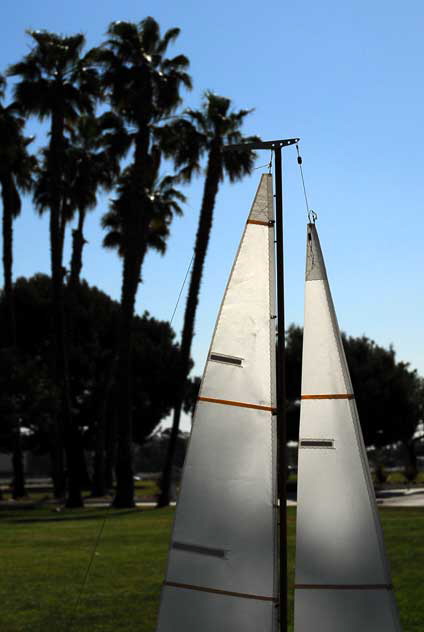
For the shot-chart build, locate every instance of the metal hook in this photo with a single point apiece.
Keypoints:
(312, 216)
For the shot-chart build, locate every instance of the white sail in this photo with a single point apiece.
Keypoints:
(342, 579)
(221, 571)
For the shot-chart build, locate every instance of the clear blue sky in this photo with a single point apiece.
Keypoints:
(345, 77)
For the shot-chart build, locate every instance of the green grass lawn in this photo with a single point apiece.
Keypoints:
(143, 490)
(44, 556)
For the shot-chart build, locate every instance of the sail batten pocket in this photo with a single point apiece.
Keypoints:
(226, 359)
(317, 443)
(201, 550)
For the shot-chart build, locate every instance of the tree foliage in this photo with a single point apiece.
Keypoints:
(142, 86)
(389, 395)
(76, 368)
(186, 140)
(95, 315)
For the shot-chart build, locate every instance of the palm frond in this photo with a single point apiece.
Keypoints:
(141, 84)
(181, 141)
(149, 34)
(170, 36)
(2, 86)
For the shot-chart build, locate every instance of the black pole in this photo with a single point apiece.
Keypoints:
(281, 391)
(276, 146)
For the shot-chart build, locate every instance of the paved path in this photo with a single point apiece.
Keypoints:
(413, 497)
(402, 497)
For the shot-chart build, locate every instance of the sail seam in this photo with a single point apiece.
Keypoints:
(217, 591)
(329, 396)
(343, 587)
(228, 402)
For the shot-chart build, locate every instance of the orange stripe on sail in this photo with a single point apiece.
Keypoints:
(259, 222)
(227, 402)
(330, 396)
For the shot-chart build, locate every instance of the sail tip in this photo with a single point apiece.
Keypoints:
(262, 207)
(315, 266)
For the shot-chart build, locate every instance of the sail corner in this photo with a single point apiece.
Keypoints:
(315, 266)
(262, 207)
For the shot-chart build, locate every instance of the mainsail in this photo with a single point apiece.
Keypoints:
(342, 579)
(222, 568)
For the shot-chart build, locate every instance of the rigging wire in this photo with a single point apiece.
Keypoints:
(182, 288)
(87, 572)
(261, 166)
(312, 216)
(102, 526)
(268, 164)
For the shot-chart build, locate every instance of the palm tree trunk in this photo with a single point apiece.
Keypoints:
(72, 298)
(99, 474)
(213, 174)
(18, 465)
(78, 242)
(111, 433)
(135, 245)
(124, 497)
(11, 204)
(8, 194)
(64, 429)
(100, 458)
(411, 467)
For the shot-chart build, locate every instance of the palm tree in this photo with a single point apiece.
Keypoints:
(143, 87)
(57, 83)
(159, 206)
(186, 140)
(96, 146)
(16, 167)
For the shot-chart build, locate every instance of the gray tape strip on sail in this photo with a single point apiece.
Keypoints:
(201, 550)
(315, 266)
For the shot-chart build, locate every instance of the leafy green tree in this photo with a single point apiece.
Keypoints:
(150, 455)
(389, 395)
(294, 342)
(201, 132)
(59, 84)
(16, 167)
(143, 87)
(154, 367)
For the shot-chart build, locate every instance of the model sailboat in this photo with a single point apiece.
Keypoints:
(223, 568)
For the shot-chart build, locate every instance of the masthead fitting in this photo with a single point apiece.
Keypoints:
(263, 144)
